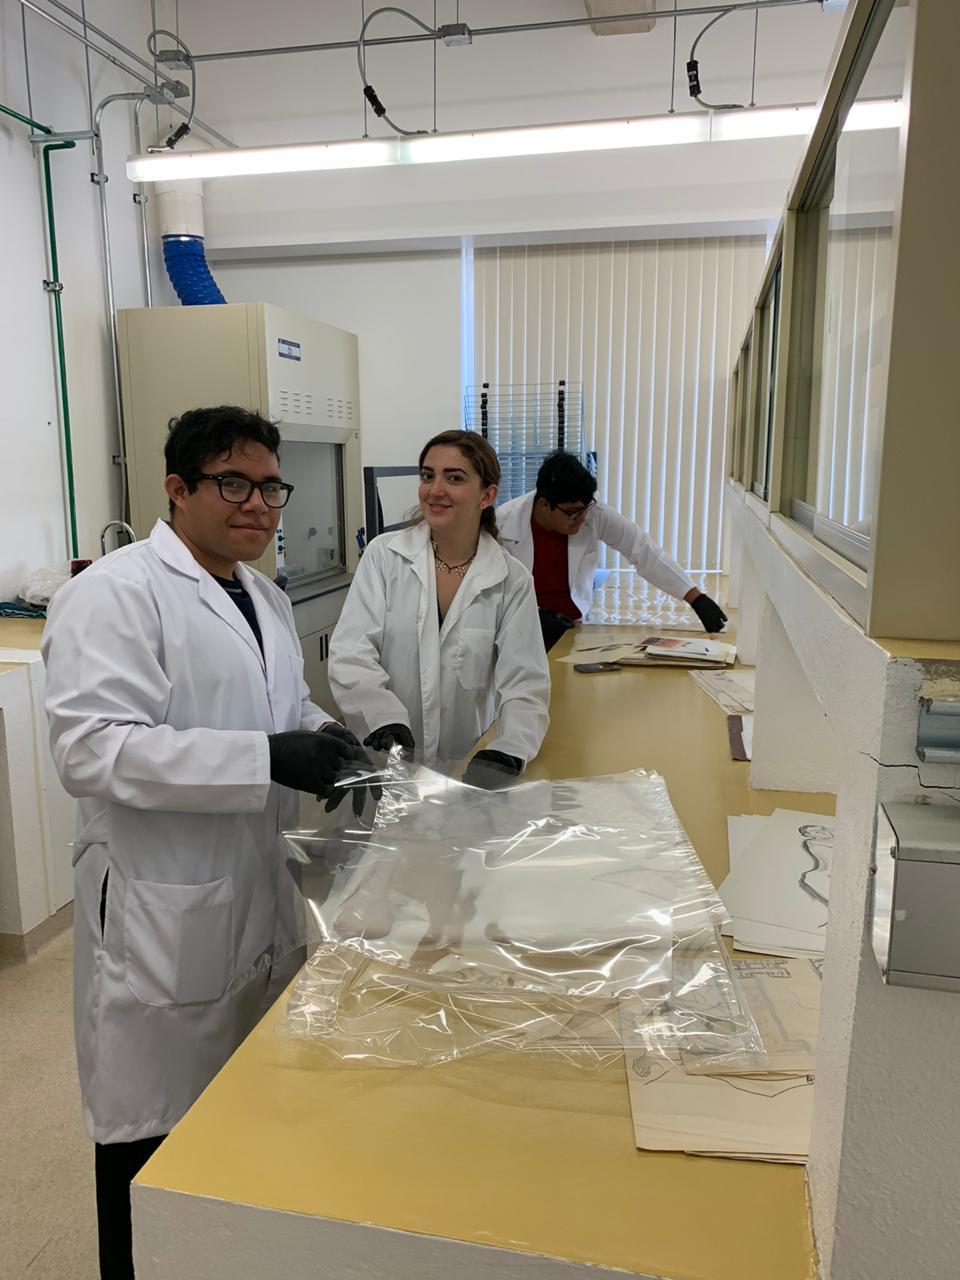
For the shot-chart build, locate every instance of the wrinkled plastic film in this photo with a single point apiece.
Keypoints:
(455, 919)
(362, 1010)
(706, 1024)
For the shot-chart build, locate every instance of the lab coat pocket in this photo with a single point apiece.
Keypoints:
(475, 657)
(96, 831)
(179, 941)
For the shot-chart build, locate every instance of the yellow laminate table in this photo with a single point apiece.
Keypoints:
(495, 1151)
(21, 633)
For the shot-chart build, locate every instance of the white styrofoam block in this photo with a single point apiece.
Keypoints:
(794, 743)
(184, 1237)
(883, 1160)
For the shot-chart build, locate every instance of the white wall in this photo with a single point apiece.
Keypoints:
(32, 522)
(405, 311)
(498, 81)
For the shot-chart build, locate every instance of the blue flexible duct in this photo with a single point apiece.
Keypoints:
(186, 264)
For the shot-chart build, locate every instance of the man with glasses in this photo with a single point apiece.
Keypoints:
(556, 532)
(180, 719)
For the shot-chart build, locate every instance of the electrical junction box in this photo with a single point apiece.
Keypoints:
(916, 900)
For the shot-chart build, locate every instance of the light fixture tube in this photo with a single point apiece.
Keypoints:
(536, 140)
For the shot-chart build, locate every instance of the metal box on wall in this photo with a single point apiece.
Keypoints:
(916, 899)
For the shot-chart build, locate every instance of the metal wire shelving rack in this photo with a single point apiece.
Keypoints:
(525, 421)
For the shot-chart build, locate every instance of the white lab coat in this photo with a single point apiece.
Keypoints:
(392, 663)
(602, 524)
(160, 702)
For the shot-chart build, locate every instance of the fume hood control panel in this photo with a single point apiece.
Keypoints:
(309, 373)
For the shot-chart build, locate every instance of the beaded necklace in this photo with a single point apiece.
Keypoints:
(459, 569)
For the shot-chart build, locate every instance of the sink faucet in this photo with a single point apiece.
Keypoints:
(115, 524)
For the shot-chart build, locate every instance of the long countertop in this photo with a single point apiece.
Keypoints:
(496, 1150)
(21, 633)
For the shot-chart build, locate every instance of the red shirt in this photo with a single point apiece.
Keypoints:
(551, 576)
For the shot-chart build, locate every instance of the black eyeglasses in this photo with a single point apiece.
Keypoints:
(575, 514)
(238, 489)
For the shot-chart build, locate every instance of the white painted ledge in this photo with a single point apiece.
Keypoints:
(185, 1237)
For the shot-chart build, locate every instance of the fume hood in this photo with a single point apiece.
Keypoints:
(300, 374)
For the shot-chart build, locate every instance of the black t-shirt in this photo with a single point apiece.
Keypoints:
(243, 600)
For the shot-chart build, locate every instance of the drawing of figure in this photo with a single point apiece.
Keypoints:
(817, 843)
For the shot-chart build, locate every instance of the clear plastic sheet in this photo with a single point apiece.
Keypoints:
(466, 919)
(706, 1024)
(364, 1010)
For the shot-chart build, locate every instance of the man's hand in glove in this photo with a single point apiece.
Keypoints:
(313, 762)
(390, 735)
(709, 612)
(492, 769)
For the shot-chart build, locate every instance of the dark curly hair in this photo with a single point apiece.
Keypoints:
(564, 478)
(199, 435)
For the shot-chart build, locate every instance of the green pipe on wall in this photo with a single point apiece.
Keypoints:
(56, 288)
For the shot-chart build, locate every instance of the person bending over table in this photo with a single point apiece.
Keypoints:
(556, 531)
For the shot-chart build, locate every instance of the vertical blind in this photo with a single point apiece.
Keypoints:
(651, 329)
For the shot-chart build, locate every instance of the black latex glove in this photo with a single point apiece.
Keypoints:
(360, 760)
(552, 626)
(312, 762)
(492, 769)
(388, 735)
(709, 613)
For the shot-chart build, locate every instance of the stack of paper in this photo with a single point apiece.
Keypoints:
(754, 1111)
(655, 651)
(732, 691)
(778, 889)
(677, 651)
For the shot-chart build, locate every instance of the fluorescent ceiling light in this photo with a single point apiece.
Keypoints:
(555, 139)
(769, 122)
(882, 114)
(600, 135)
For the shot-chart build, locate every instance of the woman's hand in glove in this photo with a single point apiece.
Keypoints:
(390, 735)
(492, 769)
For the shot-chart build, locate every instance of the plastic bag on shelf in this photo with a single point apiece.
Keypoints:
(43, 584)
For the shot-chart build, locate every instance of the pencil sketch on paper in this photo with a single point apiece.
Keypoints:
(817, 843)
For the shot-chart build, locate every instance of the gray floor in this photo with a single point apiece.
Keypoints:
(47, 1210)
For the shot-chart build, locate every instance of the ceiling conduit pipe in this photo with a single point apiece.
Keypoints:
(54, 287)
(100, 179)
(148, 82)
(140, 200)
(180, 207)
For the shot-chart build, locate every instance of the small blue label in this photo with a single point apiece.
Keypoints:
(288, 350)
